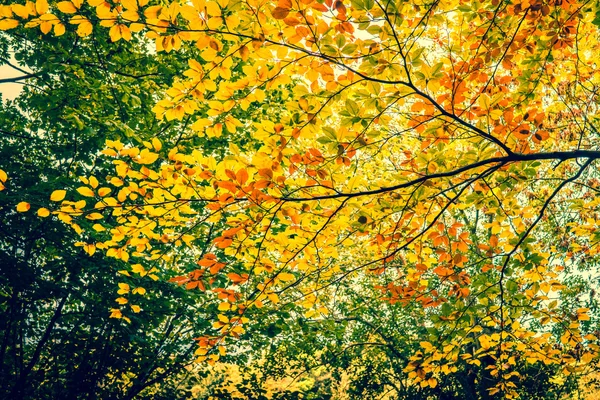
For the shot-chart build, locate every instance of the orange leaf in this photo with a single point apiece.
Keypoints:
(286, 4)
(241, 176)
(236, 278)
(280, 13)
(227, 185)
(223, 242)
(230, 174)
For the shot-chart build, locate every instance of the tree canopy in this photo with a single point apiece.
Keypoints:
(405, 191)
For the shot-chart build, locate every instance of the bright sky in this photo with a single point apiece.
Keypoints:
(9, 90)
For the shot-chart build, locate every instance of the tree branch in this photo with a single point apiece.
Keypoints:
(18, 78)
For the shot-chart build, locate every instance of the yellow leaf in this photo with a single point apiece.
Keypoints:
(484, 101)
(201, 124)
(136, 27)
(85, 191)
(152, 12)
(116, 181)
(43, 212)
(223, 318)
(84, 28)
(93, 182)
(495, 114)
(583, 317)
(67, 7)
(98, 228)
(8, 23)
(136, 309)
(123, 288)
(45, 27)
(213, 9)
(90, 249)
(94, 216)
(238, 329)
(147, 157)
(20, 10)
(115, 33)
(139, 290)
(121, 300)
(125, 32)
(65, 218)
(41, 7)
(587, 357)
(59, 29)
(129, 4)
(209, 54)
(138, 268)
(23, 206)
(285, 277)
(130, 16)
(273, 297)
(103, 191)
(3, 176)
(224, 306)
(156, 144)
(77, 228)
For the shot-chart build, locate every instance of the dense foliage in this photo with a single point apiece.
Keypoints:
(57, 340)
(402, 193)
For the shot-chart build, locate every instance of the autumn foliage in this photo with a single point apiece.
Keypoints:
(438, 158)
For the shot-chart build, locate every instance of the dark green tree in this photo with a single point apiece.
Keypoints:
(56, 337)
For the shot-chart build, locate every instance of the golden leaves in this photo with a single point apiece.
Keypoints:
(156, 143)
(59, 29)
(104, 191)
(43, 212)
(20, 10)
(139, 290)
(310, 111)
(85, 191)
(23, 206)
(8, 23)
(58, 195)
(90, 249)
(68, 7)
(146, 157)
(41, 7)
(123, 288)
(285, 277)
(84, 26)
(118, 32)
(3, 179)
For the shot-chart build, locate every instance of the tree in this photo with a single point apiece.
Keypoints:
(441, 154)
(56, 337)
